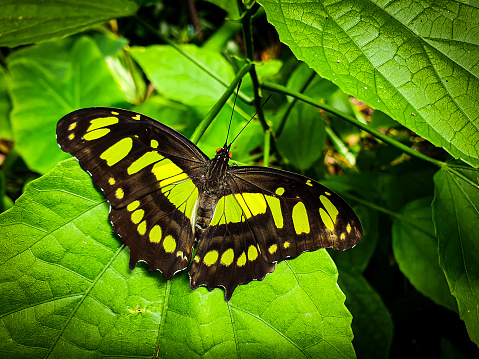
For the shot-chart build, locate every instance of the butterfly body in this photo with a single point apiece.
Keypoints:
(168, 198)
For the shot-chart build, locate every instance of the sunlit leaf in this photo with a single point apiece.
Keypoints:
(415, 62)
(67, 292)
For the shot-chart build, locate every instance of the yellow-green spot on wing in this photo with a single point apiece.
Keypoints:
(169, 244)
(145, 160)
(96, 134)
(190, 204)
(241, 260)
(142, 228)
(154, 143)
(273, 248)
(119, 193)
(137, 117)
(133, 205)
(228, 257)
(72, 126)
(210, 258)
(326, 219)
(137, 216)
(348, 228)
(279, 191)
(228, 210)
(167, 173)
(183, 195)
(219, 215)
(252, 204)
(155, 234)
(102, 122)
(111, 181)
(330, 208)
(118, 151)
(115, 113)
(252, 253)
(300, 218)
(275, 207)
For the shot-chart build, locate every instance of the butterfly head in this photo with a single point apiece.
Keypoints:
(223, 154)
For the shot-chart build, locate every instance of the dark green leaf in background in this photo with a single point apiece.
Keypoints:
(45, 88)
(25, 22)
(67, 292)
(415, 250)
(456, 218)
(303, 137)
(409, 64)
(372, 323)
(5, 107)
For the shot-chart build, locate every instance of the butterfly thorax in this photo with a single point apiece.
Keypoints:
(212, 188)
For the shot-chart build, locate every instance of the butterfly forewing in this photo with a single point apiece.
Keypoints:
(148, 172)
(268, 215)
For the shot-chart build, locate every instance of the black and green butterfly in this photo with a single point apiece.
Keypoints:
(166, 194)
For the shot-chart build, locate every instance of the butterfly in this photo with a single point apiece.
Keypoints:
(175, 207)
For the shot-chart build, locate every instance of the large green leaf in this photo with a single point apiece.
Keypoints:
(25, 21)
(67, 292)
(49, 81)
(456, 218)
(416, 62)
(177, 77)
(415, 250)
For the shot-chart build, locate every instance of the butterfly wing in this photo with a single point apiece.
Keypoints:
(265, 216)
(150, 175)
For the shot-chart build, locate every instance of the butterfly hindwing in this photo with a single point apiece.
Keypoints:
(265, 216)
(148, 172)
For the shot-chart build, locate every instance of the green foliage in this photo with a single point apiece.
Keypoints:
(67, 280)
(66, 290)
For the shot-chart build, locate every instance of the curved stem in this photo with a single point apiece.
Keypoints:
(281, 89)
(200, 130)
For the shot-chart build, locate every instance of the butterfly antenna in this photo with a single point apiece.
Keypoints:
(232, 112)
(264, 103)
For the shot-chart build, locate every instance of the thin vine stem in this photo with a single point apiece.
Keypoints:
(284, 90)
(399, 216)
(201, 128)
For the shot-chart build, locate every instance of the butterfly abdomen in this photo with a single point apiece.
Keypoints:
(207, 202)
